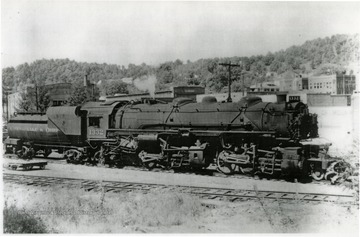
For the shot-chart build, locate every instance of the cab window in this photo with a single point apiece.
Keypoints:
(94, 122)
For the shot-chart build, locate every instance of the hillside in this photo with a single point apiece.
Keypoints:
(327, 55)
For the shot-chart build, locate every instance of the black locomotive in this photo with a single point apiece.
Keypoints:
(266, 138)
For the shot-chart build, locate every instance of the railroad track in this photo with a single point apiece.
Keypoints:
(220, 194)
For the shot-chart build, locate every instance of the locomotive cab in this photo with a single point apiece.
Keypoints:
(100, 118)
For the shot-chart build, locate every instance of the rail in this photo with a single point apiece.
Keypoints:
(220, 194)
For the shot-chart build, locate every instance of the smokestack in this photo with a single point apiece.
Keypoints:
(85, 81)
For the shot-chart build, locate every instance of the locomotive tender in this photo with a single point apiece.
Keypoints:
(266, 138)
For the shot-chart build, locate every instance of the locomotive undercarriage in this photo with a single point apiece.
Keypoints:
(183, 150)
(151, 150)
(230, 155)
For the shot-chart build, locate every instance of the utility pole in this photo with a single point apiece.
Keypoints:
(7, 106)
(36, 97)
(229, 65)
(344, 83)
(243, 84)
(7, 91)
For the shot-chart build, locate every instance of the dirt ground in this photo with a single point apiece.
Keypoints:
(76, 211)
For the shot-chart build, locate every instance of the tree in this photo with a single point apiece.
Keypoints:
(275, 65)
(165, 73)
(303, 69)
(269, 58)
(284, 67)
(297, 63)
(317, 61)
(178, 62)
(115, 87)
(193, 81)
(211, 66)
(258, 68)
(219, 79)
(25, 103)
(280, 56)
(34, 99)
(237, 86)
(8, 76)
(43, 99)
(78, 94)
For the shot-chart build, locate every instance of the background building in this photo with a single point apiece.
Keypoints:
(167, 95)
(323, 84)
(265, 87)
(337, 84)
(59, 93)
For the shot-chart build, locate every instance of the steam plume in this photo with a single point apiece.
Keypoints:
(146, 83)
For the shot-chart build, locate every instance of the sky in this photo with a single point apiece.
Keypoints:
(118, 32)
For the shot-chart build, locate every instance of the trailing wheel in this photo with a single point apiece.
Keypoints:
(25, 153)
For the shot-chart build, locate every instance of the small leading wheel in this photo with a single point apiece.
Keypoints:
(317, 174)
(223, 166)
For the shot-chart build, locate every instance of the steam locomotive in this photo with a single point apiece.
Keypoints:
(264, 138)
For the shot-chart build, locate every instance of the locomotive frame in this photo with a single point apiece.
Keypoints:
(265, 138)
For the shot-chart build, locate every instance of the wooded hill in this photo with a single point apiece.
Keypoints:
(319, 56)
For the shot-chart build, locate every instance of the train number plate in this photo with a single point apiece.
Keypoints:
(96, 132)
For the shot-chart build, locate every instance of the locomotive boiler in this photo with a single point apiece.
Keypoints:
(264, 138)
(291, 120)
